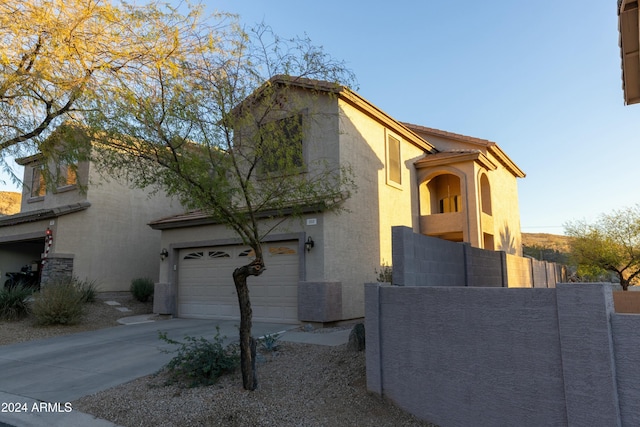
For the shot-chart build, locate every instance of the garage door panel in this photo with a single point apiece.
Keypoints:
(206, 289)
(257, 292)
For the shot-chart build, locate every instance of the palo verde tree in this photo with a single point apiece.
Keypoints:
(56, 56)
(611, 244)
(226, 130)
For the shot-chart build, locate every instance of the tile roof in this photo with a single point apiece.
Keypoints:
(451, 135)
(448, 157)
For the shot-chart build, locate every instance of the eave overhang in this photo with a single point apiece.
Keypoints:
(36, 158)
(383, 118)
(629, 40)
(490, 146)
(42, 214)
(450, 157)
(198, 217)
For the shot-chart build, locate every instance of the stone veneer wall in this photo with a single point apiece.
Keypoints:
(56, 268)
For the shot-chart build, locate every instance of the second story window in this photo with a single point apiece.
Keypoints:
(38, 186)
(67, 175)
(280, 145)
(394, 162)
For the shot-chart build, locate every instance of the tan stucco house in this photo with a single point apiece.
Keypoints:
(438, 183)
(629, 49)
(98, 227)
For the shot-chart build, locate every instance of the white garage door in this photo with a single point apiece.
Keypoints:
(206, 289)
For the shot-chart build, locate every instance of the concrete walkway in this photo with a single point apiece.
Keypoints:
(62, 369)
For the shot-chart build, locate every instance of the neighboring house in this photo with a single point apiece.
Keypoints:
(441, 184)
(629, 49)
(97, 226)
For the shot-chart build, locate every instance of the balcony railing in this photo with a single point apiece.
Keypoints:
(443, 223)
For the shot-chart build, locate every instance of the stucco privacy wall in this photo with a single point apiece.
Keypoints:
(627, 360)
(484, 268)
(497, 356)
(519, 272)
(426, 261)
(539, 273)
(420, 260)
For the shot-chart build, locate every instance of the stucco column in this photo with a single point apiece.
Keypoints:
(373, 348)
(586, 347)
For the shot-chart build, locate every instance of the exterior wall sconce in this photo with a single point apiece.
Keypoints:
(163, 254)
(309, 244)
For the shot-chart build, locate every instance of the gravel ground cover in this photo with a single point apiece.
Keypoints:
(97, 315)
(299, 385)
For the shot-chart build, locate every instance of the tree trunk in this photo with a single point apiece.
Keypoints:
(247, 342)
(624, 283)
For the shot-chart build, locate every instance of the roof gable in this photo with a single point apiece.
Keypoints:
(484, 144)
(350, 97)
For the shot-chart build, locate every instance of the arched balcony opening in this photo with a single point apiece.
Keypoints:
(486, 215)
(445, 194)
(442, 207)
(485, 194)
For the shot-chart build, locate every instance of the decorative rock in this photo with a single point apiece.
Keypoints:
(356, 338)
(308, 327)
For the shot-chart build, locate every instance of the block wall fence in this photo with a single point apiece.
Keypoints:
(461, 356)
(420, 260)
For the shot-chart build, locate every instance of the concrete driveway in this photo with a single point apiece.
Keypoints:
(62, 369)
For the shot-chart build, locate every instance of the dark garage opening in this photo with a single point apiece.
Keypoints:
(18, 254)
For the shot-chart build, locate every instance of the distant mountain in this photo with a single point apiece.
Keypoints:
(549, 247)
(9, 202)
(552, 241)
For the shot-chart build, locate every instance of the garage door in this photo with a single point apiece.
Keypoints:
(206, 289)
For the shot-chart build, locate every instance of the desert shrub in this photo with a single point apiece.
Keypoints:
(385, 275)
(14, 302)
(58, 304)
(88, 289)
(200, 362)
(142, 289)
(270, 342)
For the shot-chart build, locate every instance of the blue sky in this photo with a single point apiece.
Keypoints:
(542, 79)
